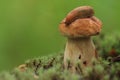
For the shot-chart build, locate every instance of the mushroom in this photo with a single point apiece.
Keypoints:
(78, 26)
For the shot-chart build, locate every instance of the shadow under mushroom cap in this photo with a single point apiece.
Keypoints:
(81, 28)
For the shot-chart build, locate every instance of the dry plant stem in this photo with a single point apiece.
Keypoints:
(80, 49)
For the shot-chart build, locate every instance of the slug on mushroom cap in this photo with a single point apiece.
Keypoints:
(82, 22)
(79, 12)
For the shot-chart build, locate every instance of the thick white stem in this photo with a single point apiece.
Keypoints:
(80, 49)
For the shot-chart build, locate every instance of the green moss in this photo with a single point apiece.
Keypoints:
(51, 67)
(108, 45)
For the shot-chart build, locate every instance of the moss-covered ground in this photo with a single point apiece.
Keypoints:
(51, 67)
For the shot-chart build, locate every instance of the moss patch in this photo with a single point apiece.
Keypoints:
(51, 67)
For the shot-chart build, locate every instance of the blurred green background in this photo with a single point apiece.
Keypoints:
(29, 28)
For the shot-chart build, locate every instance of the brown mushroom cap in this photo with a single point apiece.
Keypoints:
(80, 22)
(81, 27)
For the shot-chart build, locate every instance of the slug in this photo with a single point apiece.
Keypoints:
(79, 12)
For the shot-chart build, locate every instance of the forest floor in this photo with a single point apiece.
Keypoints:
(51, 67)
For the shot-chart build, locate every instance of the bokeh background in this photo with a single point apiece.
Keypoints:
(29, 28)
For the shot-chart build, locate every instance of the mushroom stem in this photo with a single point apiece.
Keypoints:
(79, 49)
